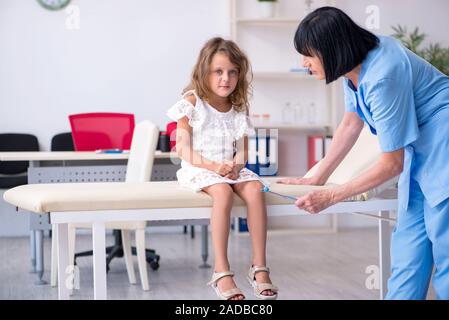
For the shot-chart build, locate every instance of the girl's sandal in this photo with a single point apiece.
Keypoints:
(227, 294)
(261, 287)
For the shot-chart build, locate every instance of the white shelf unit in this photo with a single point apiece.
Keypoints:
(268, 43)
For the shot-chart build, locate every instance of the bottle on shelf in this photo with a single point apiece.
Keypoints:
(288, 113)
(266, 118)
(299, 112)
(255, 119)
(312, 113)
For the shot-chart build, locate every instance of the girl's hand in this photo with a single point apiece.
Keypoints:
(223, 169)
(301, 181)
(234, 174)
(316, 201)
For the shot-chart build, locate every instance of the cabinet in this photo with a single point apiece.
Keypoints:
(282, 98)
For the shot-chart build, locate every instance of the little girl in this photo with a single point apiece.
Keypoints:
(211, 140)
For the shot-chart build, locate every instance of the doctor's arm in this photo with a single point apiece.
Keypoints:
(387, 167)
(344, 139)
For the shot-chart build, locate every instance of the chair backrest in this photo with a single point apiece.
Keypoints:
(62, 142)
(171, 133)
(141, 155)
(16, 142)
(102, 130)
(365, 152)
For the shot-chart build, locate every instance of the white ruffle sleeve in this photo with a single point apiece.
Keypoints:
(183, 108)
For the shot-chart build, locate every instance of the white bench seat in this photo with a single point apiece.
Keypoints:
(61, 197)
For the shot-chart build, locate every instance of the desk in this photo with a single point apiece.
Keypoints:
(71, 166)
(73, 155)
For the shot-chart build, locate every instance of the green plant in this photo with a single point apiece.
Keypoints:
(434, 53)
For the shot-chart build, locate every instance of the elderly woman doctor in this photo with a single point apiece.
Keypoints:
(405, 102)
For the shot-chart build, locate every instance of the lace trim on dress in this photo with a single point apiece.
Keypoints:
(199, 180)
(184, 108)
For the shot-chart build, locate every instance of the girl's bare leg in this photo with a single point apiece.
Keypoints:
(222, 195)
(251, 193)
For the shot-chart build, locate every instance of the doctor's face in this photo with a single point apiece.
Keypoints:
(315, 66)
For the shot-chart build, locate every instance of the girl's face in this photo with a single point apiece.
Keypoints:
(223, 75)
(315, 66)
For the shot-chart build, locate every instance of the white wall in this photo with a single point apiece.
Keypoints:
(430, 16)
(128, 56)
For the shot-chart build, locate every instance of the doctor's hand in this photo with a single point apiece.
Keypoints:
(316, 201)
(312, 181)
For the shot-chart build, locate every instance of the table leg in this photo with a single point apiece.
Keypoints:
(99, 257)
(62, 234)
(384, 253)
(40, 257)
(33, 251)
(204, 246)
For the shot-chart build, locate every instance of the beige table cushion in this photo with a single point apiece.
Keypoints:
(42, 198)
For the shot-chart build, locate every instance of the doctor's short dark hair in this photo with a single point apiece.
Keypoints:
(331, 35)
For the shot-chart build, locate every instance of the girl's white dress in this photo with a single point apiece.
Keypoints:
(214, 136)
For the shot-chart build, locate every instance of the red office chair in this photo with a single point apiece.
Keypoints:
(171, 133)
(102, 130)
(105, 130)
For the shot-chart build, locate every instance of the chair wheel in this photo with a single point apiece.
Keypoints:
(154, 265)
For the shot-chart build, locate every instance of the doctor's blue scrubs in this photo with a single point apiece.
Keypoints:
(405, 102)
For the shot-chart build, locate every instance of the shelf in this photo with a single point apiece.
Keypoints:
(268, 21)
(292, 127)
(277, 73)
(267, 75)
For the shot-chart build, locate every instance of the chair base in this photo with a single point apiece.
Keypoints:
(192, 231)
(117, 251)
